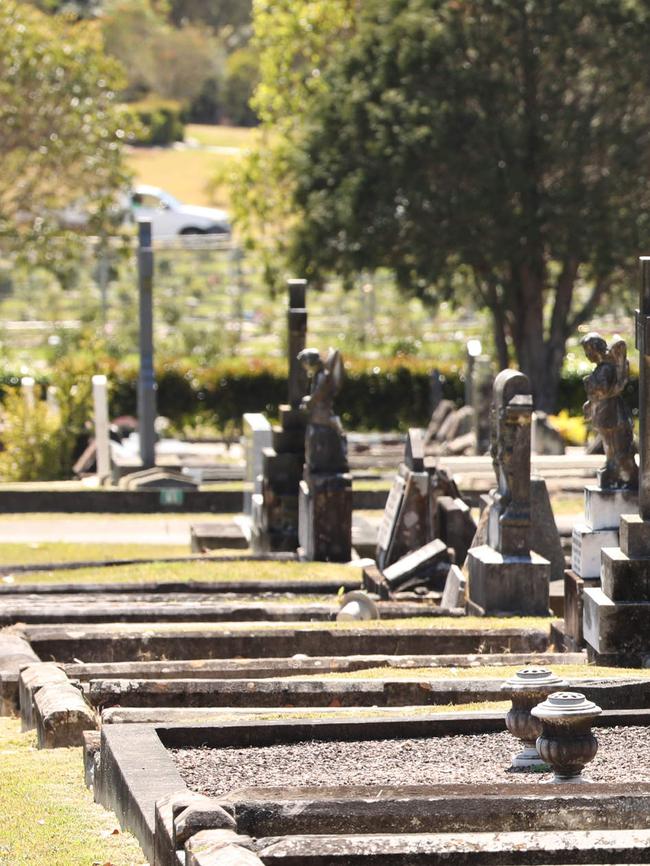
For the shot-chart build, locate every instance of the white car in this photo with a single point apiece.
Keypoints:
(170, 217)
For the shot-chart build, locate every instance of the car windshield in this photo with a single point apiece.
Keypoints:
(154, 199)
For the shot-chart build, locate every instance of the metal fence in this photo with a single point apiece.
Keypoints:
(210, 301)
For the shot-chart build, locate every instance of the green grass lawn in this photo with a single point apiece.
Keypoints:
(203, 570)
(189, 173)
(221, 136)
(59, 552)
(48, 815)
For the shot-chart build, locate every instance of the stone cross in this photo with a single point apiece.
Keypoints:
(643, 345)
(509, 519)
(297, 326)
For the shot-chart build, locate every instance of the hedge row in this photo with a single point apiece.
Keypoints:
(385, 395)
(382, 395)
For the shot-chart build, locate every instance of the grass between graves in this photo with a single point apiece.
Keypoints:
(199, 717)
(35, 553)
(492, 672)
(208, 570)
(433, 624)
(48, 815)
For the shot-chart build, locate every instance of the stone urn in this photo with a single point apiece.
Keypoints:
(566, 741)
(527, 688)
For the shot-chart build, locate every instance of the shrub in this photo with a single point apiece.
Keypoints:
(160, 121)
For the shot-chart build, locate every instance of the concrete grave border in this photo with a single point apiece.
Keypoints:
(138, 780)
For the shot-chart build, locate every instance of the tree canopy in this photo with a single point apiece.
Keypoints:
(61, 132)
(481, 148)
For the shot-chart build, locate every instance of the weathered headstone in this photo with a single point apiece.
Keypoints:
(325, 497)
(604, 505)
(616, 617)
(407, 523)
(455, 525)
(274, 524)
(505, 575)
(102, 427)
(257, 435)
(453, 595)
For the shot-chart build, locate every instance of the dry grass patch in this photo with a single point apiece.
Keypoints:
(494, 672)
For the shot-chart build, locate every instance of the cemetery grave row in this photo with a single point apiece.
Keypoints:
(221, 727)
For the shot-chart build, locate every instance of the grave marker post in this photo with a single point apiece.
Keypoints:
(146, 380)
(102, 435)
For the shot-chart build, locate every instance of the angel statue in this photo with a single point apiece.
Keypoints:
(326, 448)
(605, 409)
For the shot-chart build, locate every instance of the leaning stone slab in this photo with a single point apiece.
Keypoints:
(61, 716)
(15, 654)
(422, 565)
(220, 848)
(453, 595)
(32, 679)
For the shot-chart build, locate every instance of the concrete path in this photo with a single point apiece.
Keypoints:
(127, 529)
(80, 529)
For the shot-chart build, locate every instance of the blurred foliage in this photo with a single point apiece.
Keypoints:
(170, 62)
(572, 427)
(40, 440)
(159, 121)
(294, 40)
(437, 139)
(60, 145)
(386, 395)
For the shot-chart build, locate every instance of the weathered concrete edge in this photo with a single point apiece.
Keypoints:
(16, 653)
(135, 770)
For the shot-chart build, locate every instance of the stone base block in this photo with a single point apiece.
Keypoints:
(635, 536)
(604, 508)
(574, 586)
(620, 629)
(586, 546)
(623, 578)
(510, 585)
(325, 517)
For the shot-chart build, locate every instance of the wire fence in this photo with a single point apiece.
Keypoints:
(210, 301)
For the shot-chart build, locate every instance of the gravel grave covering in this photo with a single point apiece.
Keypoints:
(623, 756)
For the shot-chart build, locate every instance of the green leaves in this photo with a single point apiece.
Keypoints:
(61, 131)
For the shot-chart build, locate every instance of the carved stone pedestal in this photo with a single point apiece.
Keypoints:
(603, 511)
(616, 616)
(507, 585)
(325, 517)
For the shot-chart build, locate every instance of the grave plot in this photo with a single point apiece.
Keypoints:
(203, 665)
(376, 791)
